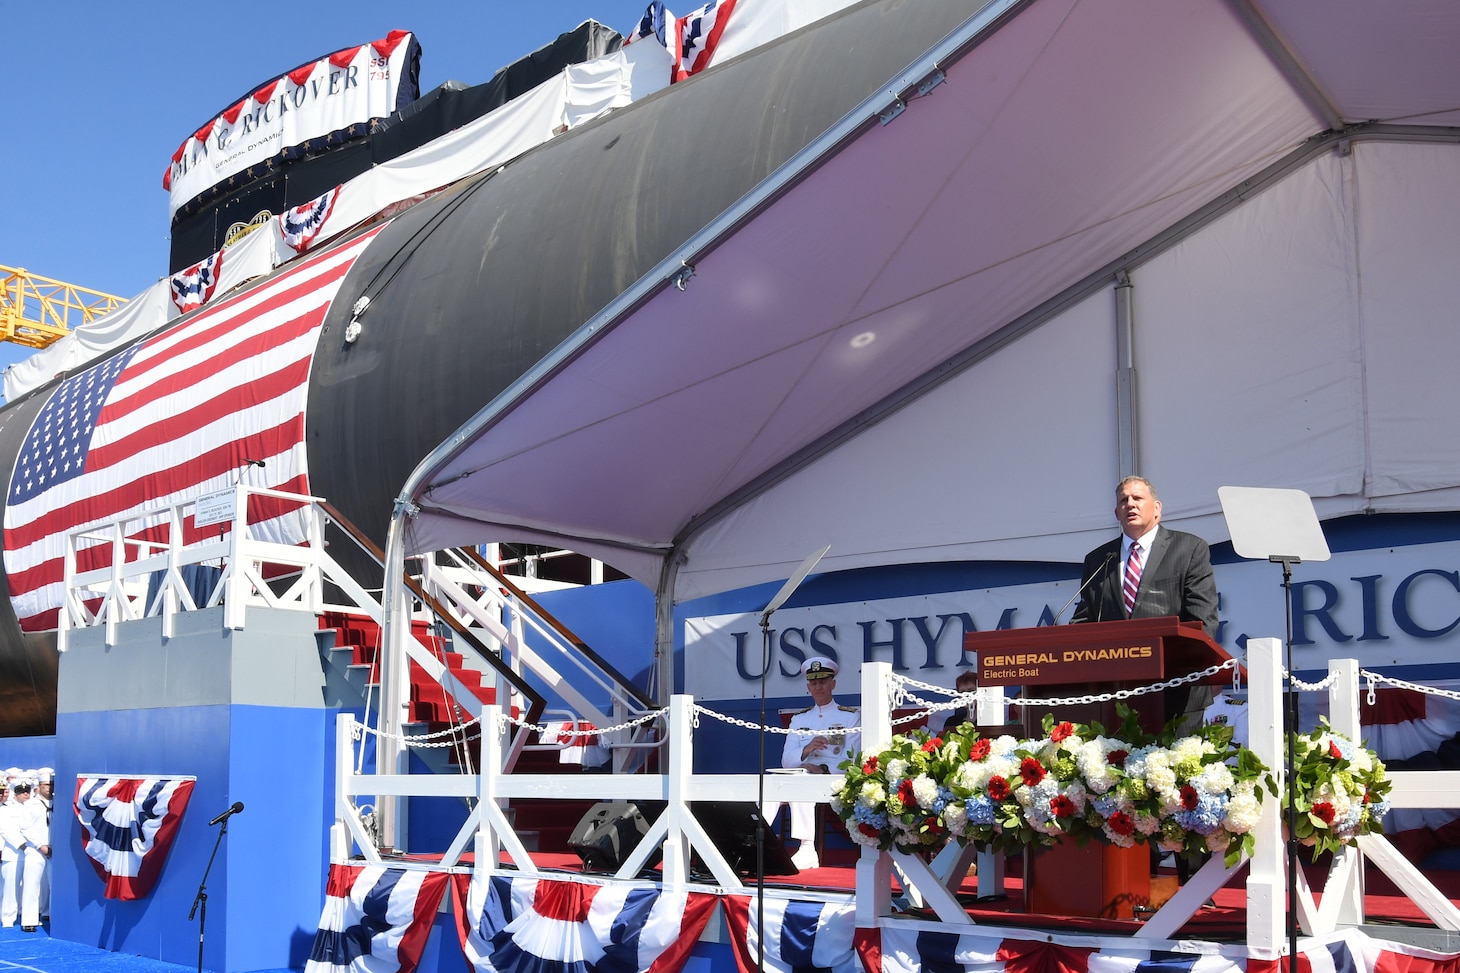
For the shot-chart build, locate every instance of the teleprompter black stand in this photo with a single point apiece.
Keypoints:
(1280, 526)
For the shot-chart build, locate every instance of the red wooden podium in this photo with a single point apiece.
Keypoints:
(1095, 657)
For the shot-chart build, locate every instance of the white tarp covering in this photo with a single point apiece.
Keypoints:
(1296, 342)
(345, 88)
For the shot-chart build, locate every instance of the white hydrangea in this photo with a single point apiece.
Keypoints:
(1093, 759)
(873, 794)
(1213, 779)
(955, 818)
(1218, 841)
(925, 789)
(1243, 810)
(896, 769)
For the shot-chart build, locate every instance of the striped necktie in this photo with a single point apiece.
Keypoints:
(1132, 578)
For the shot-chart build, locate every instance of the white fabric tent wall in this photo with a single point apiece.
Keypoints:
(1305, 339)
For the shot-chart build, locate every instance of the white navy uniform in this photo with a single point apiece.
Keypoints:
(839, 725)
(834, 721)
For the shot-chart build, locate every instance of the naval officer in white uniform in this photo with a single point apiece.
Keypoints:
(816, 753)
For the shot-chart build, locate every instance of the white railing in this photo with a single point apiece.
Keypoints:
(488, 831)
(677, 831)
(148, 551)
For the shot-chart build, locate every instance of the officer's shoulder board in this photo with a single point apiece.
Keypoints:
(800, 712)
(846, 709)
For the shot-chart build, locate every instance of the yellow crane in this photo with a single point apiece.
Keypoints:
(35, 311)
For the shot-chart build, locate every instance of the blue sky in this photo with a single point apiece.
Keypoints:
(99, 94)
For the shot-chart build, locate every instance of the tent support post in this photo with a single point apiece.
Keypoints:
(1125, 377)
(664, 627)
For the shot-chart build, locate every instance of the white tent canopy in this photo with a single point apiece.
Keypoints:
(903, 344)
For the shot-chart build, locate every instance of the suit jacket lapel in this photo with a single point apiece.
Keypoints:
(1153, 560)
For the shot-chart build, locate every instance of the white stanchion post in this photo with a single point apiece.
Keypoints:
(344, 765)
(1267, 872)
(874, 868)
(681, 766)
(1348, 865)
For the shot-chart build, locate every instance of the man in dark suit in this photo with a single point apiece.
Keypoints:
(1171, 575)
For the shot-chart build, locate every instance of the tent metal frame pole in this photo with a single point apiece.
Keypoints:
(1281, 54)
(1126, 426)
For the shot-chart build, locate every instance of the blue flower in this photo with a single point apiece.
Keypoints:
(1206, 817)
(980, 809)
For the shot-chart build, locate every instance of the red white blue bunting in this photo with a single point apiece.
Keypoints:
(127, 828)
(301, 224)
(800, 936)
(194, 286)
(375, 920)
(524, 925)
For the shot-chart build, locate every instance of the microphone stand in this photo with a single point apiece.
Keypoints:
(1105, 566)
(200, 901)
(787, 589)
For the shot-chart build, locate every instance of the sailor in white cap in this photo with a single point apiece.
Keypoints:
(12, 850)
(35, 859)
(45, 792)
(817, 753)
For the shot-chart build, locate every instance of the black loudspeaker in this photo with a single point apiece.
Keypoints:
(731, 827)
(610, 832)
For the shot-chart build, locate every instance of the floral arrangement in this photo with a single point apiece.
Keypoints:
(1339, 790)
(1188, 794)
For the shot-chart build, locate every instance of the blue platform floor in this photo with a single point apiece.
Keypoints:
(37, 952)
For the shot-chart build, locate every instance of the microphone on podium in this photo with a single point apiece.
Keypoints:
(1109, 557)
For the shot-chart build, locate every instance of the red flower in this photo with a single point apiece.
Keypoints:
(934, 826)
(1116, 758)
(998, 789)
(979, 749)
(1333, 750)
(870, 767)
(1061, 806)
(1120, 823)
(905, 793)
(1062, 732)
(1189, 797)
(1324, 812)
(933, 744)
(1032, 771)
(868, 830)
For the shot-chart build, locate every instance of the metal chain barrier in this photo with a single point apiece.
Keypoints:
(1311, 687)
(449, 736)
(747, 725)
(1375, 678)
(1127, 693)
(503, 719)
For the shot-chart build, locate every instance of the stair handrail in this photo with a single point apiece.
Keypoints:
(586, 650)
(535, 700)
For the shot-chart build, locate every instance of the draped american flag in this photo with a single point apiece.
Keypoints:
(127, 827)
(169, 419)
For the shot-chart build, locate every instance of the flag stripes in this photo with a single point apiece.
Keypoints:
(170, 419)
